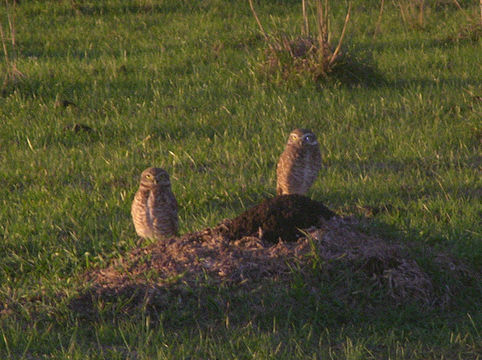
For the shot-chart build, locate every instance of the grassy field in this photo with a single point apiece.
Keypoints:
(179, 84)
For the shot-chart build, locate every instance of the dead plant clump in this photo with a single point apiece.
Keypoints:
(12, 76)
(304, 54)
(299, 56)
(472, 31)
(212, 257)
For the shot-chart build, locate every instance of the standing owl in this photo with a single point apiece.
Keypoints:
(299, 164)
(154, 209)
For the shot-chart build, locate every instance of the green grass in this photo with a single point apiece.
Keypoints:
(175, 84)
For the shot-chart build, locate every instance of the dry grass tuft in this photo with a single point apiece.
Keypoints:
(309, 53)
(471, 31)
(386, 265)
(11, 73)
(412, 12)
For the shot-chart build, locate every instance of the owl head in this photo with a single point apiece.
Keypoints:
(153, 176)
(302, 137)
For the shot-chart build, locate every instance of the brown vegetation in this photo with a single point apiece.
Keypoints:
(11, 74)
(217, 256)
(311, 53)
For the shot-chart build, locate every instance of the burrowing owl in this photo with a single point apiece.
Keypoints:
(299, 163)
(154, 209)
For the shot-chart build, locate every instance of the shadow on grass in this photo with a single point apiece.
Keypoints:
(354, 71)
(446, 42)
(425, 168)
(86, 8)
(426, 165)
(299, 67)
(430, 83)
(292, 305)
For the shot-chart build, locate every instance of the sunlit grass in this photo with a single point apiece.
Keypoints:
(174, 84)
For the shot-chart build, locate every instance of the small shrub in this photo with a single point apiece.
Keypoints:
(308, 53)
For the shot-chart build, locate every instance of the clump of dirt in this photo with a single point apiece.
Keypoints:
(277, 218)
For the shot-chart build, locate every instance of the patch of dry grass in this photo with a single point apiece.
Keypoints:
(149, 276)
(412, 12)
(8, 37)
(311, 53)
(472, 30)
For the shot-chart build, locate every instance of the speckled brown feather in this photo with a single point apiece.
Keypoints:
(163, 207)
(298, 166)
(154, 209)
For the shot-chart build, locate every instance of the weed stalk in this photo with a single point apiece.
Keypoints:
(12, 74)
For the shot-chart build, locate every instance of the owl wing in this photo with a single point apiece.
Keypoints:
(314, 165)
(153, 209)
(286, 162)
(171, 200)
(140, 214)
(163, 207)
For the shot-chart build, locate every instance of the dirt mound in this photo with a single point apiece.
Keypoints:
(263, 246)
(280, 217)
(149, 276)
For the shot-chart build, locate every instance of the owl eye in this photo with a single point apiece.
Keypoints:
(310, 139)
(148, 176)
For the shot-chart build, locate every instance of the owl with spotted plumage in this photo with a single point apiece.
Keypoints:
(299, 164)
(154, 209)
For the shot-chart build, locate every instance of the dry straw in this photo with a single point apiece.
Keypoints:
(413, 13)
(146, 275)
(311, 52)
(12, 74)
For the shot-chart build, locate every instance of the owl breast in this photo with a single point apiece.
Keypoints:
(141, 214)
(297, 170)
(154, 213)
(162, 207)
(311, 167)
